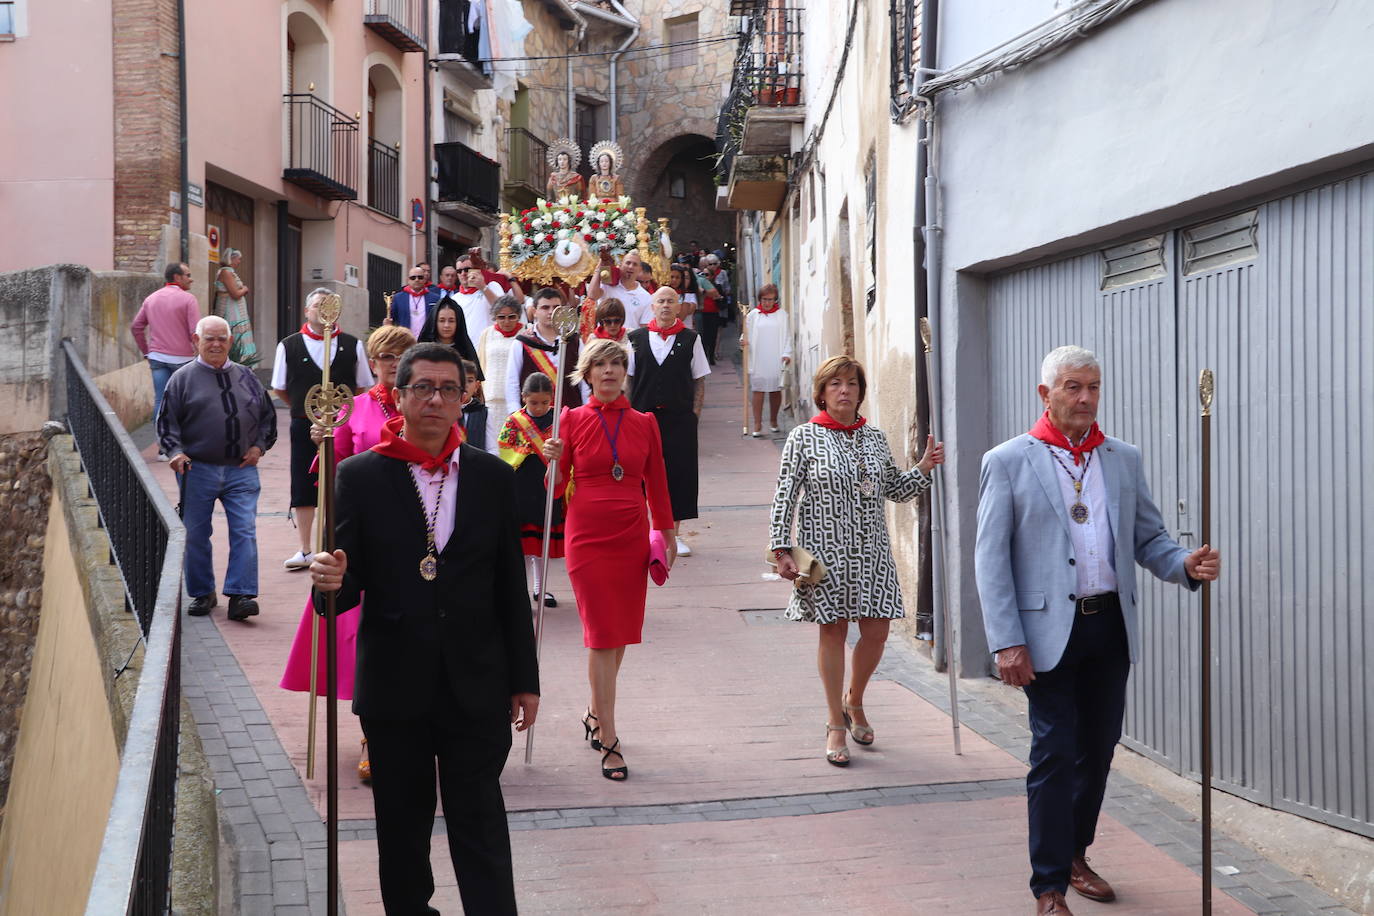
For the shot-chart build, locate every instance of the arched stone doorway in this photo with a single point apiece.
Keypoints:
(676, 180)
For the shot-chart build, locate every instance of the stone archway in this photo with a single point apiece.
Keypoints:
(676, 180)
(656, 146)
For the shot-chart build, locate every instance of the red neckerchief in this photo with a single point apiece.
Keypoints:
(448, 290)
(382, 395)
(519, 326)
(769, 311)
(394, 446)
(601, 332)
(1047, 432)
(667, 332)
(309, 332)
(411, 290)
(467, 290)
(829, 422)
(620, 403)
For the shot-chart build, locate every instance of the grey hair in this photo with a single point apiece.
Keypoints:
(203, 324)
(1062, 359)
(316, 294)
(506, 302)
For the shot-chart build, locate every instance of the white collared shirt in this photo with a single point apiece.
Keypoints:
(362, 381)
(661, 346)
(428, 483)
(1094, 547)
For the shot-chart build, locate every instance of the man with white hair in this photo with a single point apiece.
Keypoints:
(216, 422)
(297, 368)
(1064, 515)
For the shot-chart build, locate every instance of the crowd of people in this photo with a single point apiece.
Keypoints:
(443, 511)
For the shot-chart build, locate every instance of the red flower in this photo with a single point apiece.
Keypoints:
(557, 224)
(587, 236)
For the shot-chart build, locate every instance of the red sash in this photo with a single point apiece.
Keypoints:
(532, 433)
(541, 361)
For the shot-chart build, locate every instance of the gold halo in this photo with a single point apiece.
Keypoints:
(606, 146)
(563, 145)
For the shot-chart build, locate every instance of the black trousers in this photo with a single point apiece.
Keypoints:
(678, 430)
(708, 325)
(1076, 710)
(470, 756)
(303, 452)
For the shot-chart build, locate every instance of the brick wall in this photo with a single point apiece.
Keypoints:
(147, 129)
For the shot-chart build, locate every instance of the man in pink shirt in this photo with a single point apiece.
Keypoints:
(163, 329)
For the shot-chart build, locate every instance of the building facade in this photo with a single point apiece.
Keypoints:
(1124, 177)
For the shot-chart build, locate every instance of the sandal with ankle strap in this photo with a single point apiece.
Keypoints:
(839, 757)
(615, 774)
(862, 734)
(591, 730)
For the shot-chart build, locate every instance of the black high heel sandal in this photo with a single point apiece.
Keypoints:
(615, 774)
(591, 730)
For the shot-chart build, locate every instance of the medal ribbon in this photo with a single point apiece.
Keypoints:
(542, 362)
(432, 517)
(611, 440)
(1077, 483)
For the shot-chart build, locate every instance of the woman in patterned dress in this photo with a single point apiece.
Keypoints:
(231, 304)
(836, 472)
(361, 431)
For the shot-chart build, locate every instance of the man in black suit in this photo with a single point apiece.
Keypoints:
(428, 537)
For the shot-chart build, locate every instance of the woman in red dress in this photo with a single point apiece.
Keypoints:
(615, 457)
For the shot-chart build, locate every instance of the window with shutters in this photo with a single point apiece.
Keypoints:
(681, 33)
(905, 46)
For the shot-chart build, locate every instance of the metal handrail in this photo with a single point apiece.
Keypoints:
(322, 146)
(384, 178)
(133, 873)
(526, 159)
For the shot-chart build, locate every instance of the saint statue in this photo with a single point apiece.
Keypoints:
(563, 157)
(606, 161)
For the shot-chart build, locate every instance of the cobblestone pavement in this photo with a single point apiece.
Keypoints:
(730, 807)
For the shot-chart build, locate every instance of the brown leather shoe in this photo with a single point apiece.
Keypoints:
(1089, 883)
(1051, 903)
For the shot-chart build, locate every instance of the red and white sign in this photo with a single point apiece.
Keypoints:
(212, 236)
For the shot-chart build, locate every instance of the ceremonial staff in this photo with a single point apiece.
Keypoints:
(937, 528)
(328, 406)
(565, 320)
(1206, 388)
(744, 371)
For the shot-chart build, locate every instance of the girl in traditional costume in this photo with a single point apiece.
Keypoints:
(521, 438)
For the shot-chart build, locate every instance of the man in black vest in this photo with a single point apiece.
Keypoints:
(298, 367)
(428, 534)
(669, 369)
(536, 350)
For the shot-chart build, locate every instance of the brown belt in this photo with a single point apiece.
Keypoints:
(1092, 604)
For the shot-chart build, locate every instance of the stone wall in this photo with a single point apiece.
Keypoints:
(25, 491)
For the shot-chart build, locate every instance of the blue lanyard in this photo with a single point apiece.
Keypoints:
(600, 415)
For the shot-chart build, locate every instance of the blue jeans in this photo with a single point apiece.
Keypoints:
(237, 488)
(161, 373)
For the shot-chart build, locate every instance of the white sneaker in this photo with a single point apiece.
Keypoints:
(682, 549)
(298, 562)
(162, 456)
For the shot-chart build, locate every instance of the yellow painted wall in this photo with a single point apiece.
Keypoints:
(66, 761)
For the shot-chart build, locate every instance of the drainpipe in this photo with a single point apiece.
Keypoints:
(185, 150)
(925, 257)
(427, 154)
(615, 59)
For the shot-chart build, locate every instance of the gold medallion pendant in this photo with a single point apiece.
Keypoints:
(429, 568)
(1079, 513)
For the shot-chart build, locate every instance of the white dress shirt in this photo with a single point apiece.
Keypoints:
(1093, 544)
(661, 346)
(315, 348)
(638, 303)
(428, 483)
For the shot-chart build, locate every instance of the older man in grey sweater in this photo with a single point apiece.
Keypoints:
(216, 422)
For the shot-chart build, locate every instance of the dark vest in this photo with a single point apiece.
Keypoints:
(572, 395)
(302, 374)
(668, 386)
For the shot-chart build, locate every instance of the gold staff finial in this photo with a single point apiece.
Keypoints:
(1206, 390)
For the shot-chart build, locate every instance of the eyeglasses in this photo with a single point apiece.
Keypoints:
(387, 357)
(416, 277)
(506, 317)
(424, 391)
(613, 321)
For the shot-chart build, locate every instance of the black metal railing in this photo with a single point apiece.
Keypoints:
(454, 35)
(384, 178)
(767, 72)
(322, 147)
(526, 159)
(468, 177)
(400, 22)
(133, 873)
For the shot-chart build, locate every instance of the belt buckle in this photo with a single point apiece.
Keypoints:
(1089, 605)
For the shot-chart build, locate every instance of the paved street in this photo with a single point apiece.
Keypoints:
(730, 807)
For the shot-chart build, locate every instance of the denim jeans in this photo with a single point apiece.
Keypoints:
(237, 488)
(161, 373)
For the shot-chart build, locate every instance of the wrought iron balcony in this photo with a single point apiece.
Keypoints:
(384, 178)
(468, 181)
(400, 22)
(322, 147)
(527, 166)
(458, 45)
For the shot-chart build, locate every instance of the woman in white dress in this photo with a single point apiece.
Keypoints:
(493, 351)
(836, 473)
(768, 348)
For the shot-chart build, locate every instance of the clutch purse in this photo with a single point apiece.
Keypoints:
(658, 557)
(811, 569)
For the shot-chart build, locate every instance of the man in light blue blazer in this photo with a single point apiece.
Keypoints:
(1064, 515)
